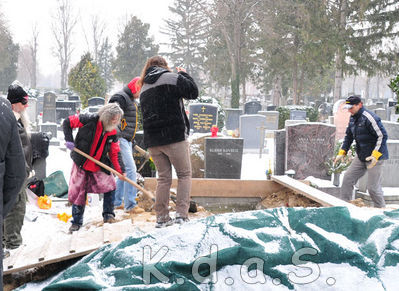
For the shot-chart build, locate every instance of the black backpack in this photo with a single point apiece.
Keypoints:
(36, 186)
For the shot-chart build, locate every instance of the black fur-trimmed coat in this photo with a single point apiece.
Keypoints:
(161, 100)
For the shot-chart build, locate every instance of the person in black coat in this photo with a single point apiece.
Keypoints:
(12, 163)
(18, 98)
(166, 128)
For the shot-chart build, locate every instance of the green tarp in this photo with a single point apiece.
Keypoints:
(276, 249)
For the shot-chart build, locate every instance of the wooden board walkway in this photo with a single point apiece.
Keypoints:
(64, 246)
(312, 193)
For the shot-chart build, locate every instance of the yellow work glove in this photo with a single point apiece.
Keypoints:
(373, 159)
(340, 156)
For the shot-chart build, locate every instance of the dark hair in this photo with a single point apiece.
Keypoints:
(157, 61)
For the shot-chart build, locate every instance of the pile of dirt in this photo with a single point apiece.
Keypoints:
(286, 198)
(359, 202)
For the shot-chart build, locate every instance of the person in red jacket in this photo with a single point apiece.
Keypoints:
(96, 137)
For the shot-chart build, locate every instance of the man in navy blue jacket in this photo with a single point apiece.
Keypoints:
(367, 130)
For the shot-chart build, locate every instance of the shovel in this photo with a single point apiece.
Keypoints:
(146, 193)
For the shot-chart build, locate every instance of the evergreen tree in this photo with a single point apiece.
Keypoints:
(133, 49)
(186, 30)
(8, 57)
(105, 58)
(363, 29)
(85, 79)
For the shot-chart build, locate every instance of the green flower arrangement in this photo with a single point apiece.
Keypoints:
(343, 164)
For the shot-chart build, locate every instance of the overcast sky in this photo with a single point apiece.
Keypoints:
(23, 14)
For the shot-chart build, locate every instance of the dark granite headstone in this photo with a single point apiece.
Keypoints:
(251, 130)
(232, 118)
(94, 101)
(297, 115)
(252, 107)
(65, 108)
(279, 152)
(49, 107)
(202, 117)
(271, 108)
(49, 127)
(392, 103)
(308, 147)
(223, 157)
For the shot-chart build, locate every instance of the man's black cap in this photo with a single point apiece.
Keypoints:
(352, 100)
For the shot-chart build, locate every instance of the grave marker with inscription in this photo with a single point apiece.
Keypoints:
(202, 117)
(308, 147)
(223, 158)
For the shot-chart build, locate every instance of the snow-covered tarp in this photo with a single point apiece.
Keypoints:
(332, 248)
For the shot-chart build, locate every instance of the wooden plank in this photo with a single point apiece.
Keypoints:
(106, 233)
(312, 193)
(224, 187)
(14, 257)
(73, 242)
(45, 249)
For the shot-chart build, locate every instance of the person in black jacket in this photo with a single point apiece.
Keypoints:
(96, 137)
(126, 132)
(367, 130)
(166, 128)
(14, 221)
(12, 163)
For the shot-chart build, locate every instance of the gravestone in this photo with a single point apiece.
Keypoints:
(251, 130)
(271, 108)
(308, 147)
(279, 152)
(75, 98)
(380, 104)
(49, 127)
(49, 109)
(40, 103)
(297, 115)
(341, 119)
(290, 122)
(252, 107)
(223, 157)
(64, 109)
(390, 168)
(392, 103)
(381, 113)
(32, 109)
(233, 118)
(202, 117)
(95, 101)
(271, 119)
(392, 129)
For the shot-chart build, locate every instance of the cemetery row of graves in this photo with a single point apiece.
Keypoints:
(300, 146)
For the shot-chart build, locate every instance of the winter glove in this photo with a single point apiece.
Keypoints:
(70, 145)
(373, 159)
(340, 156)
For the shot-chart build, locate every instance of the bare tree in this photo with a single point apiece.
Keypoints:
(25, 65)
(98, 29)
(33, 50)
(62, 27)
